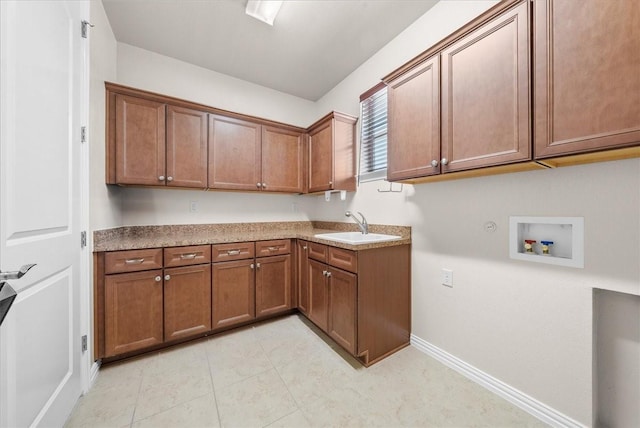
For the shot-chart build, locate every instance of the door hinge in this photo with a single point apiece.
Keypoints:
(83, 134)
(85, 28)
(83, 239)
(84, 343)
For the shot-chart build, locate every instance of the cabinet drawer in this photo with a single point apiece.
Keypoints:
(318, 251)
(235, 251)
(343, 259)
(132, 260)
(273, 248)
(184, 256)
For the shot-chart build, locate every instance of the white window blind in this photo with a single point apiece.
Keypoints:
(373, 134)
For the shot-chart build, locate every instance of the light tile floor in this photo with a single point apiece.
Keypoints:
(284, 373)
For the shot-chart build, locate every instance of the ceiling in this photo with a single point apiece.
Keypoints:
(313, 45)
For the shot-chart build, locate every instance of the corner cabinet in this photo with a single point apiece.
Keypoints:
(331, 154)
(586, 76)
(361, 299)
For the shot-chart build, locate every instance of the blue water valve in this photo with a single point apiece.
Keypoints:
(545, 247)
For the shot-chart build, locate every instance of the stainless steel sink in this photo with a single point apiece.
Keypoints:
(357, 237)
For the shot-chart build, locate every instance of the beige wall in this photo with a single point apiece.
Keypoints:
(529, 325)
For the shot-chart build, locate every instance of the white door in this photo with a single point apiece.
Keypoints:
(42, 67)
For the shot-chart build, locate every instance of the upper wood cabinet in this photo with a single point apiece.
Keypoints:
(186, 147)
(155, 144)
(234, 154)
(485, 94)
(138, 130)
(586, 76)
(413, 122)
(282, 160)
(245, 155)
(466, 105)
(331, 155)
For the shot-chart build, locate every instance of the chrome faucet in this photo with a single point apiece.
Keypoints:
(363, 225)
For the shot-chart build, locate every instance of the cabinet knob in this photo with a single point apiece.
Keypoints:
(264, 185)
(444, 161)
(158, 278)
(331, 183)
(251, 266)
(304, 248)
(324, 272)
(167, 277)
(169, 178)
(434, 163)
(258, 185)
(161, 178)
(328, 274)
(258, 265)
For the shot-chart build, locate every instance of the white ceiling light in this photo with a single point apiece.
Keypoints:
(264, 10)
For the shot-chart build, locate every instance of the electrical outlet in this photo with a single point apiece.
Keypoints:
(193, 206)
(447, 277)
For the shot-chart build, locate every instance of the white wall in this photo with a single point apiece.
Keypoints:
(527, 324)
(104, 210)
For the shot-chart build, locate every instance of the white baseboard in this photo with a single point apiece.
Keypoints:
(518, 398)
(93, 373)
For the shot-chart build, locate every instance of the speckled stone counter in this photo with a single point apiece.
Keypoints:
(137, 237)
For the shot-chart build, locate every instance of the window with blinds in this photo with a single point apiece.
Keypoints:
(373, 134)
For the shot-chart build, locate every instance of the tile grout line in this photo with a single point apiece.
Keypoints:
(213, 387)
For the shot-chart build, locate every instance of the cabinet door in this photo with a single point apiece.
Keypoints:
(321, 157)
(133, 311)
(187, 301)
(273, 285)
(413, 122)
(186, 147)
(485, 95)
(318, 294)
(234, 154)
(342, 308)
(281, 160)
(233, 293)
(140, 141)
(302, 272)
(587, 76)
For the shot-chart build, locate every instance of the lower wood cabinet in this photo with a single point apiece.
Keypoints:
(233, 293)
(133, 311)
(187, 297)
(318, 294)
(342, 312)
(302, 276)
(364, 305)
(273, 285)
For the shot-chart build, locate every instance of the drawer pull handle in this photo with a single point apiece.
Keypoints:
(233, 252)
(134, 261)
(273, 248)
(188, 256)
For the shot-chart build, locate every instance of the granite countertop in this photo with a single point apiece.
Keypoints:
(138, 237)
